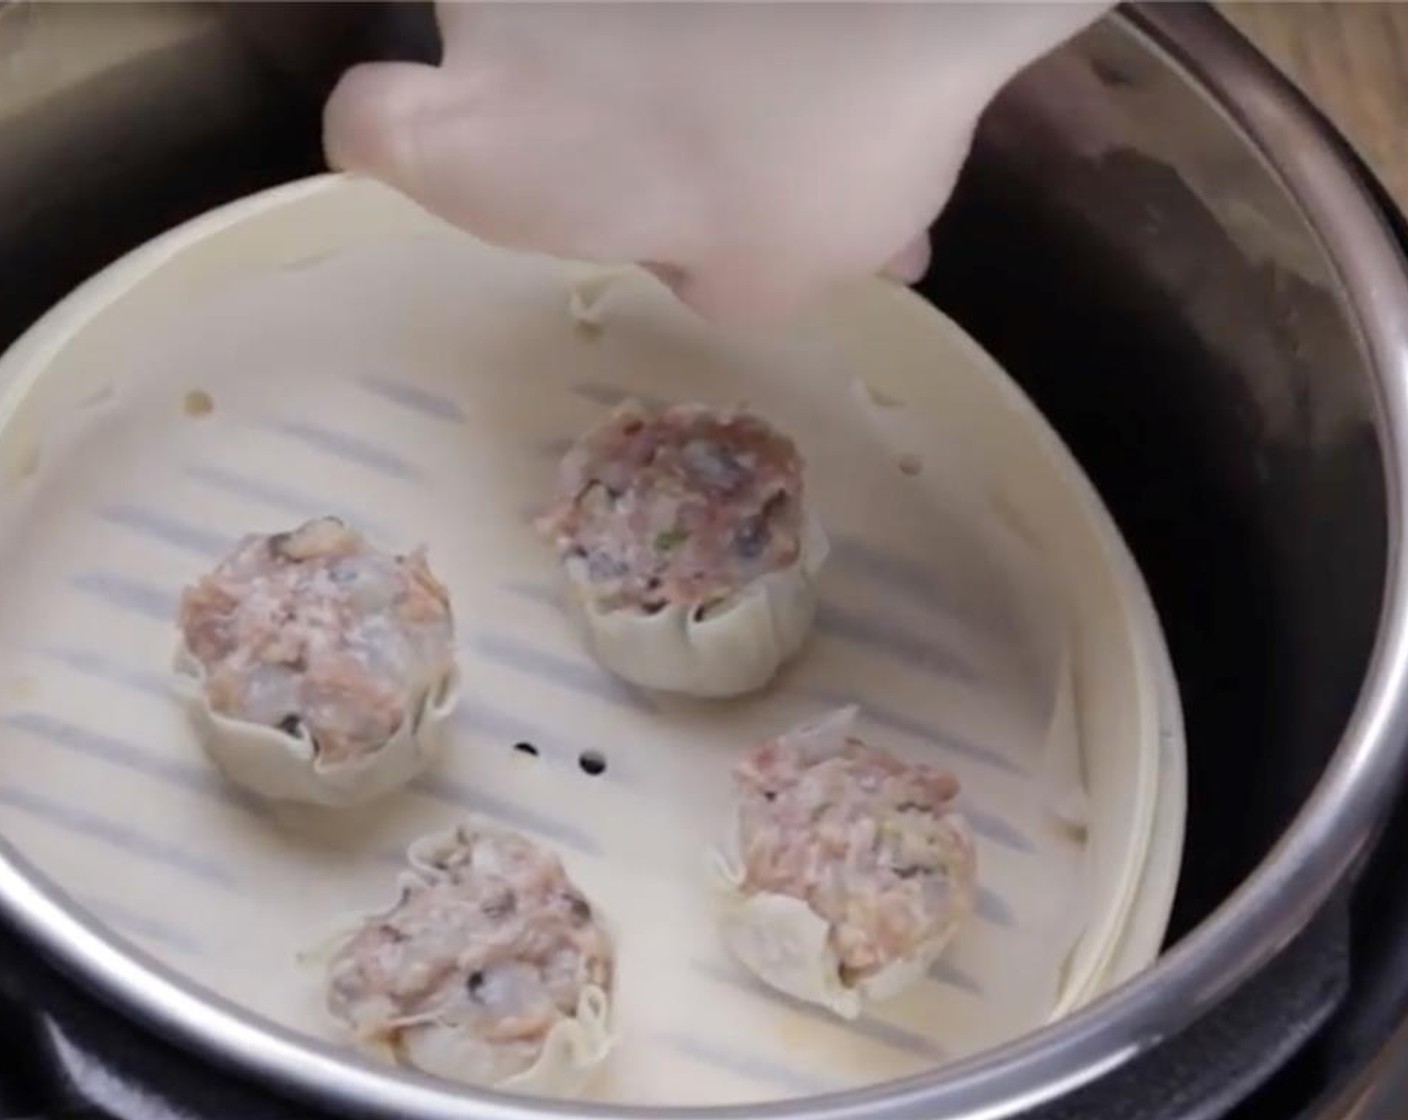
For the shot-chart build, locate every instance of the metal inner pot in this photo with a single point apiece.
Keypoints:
(1157, 240)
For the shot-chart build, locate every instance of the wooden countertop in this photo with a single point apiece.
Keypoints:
(1352, 59)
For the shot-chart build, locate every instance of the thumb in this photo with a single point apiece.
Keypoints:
(912, 262)
(493, 163)
(754, 290)
(374, 122)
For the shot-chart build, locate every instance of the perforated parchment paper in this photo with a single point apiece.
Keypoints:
(329, 349)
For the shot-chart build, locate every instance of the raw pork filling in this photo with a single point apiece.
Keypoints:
(684, 506)
(870, 843)
(493, 942)
(316, 630)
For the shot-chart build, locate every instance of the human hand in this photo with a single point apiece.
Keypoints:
(752, 155)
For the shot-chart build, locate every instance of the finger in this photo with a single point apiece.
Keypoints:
(912, 262)
(745, 295)
(500, 166)
(372, 123)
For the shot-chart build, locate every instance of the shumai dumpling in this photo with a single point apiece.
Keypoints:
(492, 969)
(849, 871)
(317, 667)
(688, 547)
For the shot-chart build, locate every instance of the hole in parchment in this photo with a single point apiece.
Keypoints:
(910, 464)
(526, 749)
(198, 403)
(592, 762)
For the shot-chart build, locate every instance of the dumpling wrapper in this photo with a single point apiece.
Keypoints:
(284, 767)
(737, 647)
(783, 941)
(572, 1051)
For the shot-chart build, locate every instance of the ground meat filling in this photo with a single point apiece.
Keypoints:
(682, 506)
(494, 942)
(870, 843)
(314, 630)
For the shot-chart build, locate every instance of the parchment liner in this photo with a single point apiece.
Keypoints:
(363, 360)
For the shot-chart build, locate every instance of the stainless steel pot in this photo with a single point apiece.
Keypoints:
(1168, 249)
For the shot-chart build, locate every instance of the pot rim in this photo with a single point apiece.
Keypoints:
(1255, 922)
